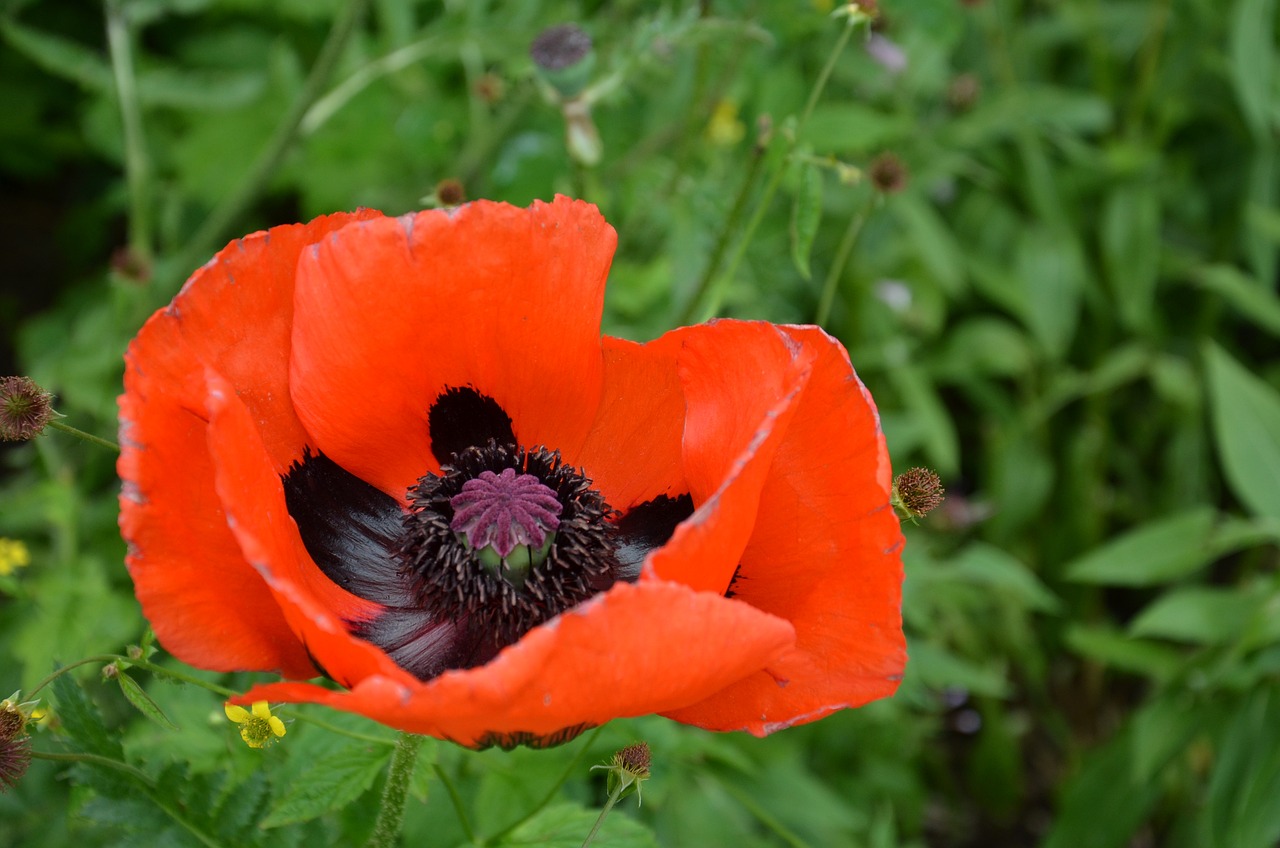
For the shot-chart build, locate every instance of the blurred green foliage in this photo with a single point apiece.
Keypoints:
(1070, 312)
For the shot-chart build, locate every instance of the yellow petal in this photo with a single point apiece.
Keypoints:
(237, 714)
(277, 726)
(262, 709)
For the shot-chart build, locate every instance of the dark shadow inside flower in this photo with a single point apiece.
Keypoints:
(503, 539)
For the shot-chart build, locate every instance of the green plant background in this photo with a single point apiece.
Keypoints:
(1070, 313)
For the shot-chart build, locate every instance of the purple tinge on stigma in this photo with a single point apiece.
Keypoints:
(504, 510)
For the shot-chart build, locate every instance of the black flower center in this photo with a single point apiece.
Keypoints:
(507, 538)
(501, 540)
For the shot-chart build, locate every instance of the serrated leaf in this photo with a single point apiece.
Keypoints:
(806, 214)
(1246, 427)
(135, 694)
(81, 720)
(1157, 552)
(329, 784)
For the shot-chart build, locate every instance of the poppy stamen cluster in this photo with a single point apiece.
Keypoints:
(506, 538)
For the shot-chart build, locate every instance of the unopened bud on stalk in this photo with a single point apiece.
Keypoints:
(564, 57)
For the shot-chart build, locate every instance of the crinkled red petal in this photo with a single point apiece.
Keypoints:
(252, 498)
(208, 607)
(825, 555)
(633, 452)
(741, 382)
(389, 313)
(634, 650)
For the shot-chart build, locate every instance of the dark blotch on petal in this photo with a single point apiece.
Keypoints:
(463, 418)
(349, 528)
(424, 646)
(646, 527)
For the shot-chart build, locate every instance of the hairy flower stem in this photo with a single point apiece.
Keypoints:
(841, 259)
(137, 165)
(286, 133)
(83, 436)
(386, 831)
(608, 805)
(717, 290)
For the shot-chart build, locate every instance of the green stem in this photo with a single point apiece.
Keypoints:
(94, 759)
(843, 252)
(555, 789)
(81, 434)
(100, 658)
(137, 165)
(183, 677)
(456, 799)
(386, 831)
(608, 805)
(717, 290)
(722, 243)
(215, 226)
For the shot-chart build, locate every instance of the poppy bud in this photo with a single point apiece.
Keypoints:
(888, 174)
(917, 492)
(564, 57)
(25, 409)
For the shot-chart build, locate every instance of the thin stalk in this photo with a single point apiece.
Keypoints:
(182, 677)
(82, 435)
(215, 226)
(137, 165)
(386, 831)
(94, 759)
(608, 806)
(722, 243)
(832, 282)
(100, 658)
(555, 789)
(458, 808)
(717, 290)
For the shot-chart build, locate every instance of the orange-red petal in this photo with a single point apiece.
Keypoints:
(741, 381)
(207, 605)
(824, 555)
(389, 313)
(252, 497)
(634, 650)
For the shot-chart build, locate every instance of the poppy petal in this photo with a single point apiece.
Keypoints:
(741, 382)
(252, 496)
(385, 322)
(825, 555)
(207, 606)
(635, 649)
(633, 451)
(236, 314)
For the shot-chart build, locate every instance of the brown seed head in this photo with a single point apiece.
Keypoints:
(919, 491)
(450, 192)
(25, 409)
(635, 759)
(888, 174)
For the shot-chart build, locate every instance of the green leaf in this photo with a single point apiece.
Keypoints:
(934, 243)
(1130, 240)
(1199, 615)
(938, 668)
(1161, 730)
(1242, 809)
(135, 694)
(1051, 275)
(1253, 66)
(1246, 425)
(59, 56)
(1115, 649)
(329, 784)
(1103, 806)
(1248, 296)
(920, 397)
(566, 825)
(1157, 552)
(992, 568)
(853, 128)
(81, 720)
(806, 214)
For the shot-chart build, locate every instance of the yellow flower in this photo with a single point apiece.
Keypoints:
(13, 555)
(258, 728)
(724, 128)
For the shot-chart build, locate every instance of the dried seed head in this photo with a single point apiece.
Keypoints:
(888, 174)
(25, 409)
(918, 491)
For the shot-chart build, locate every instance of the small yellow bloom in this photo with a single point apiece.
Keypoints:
(13, 555)
(724, 128)
(258, 728)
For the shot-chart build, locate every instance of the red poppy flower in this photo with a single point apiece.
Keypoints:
(397, 452)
